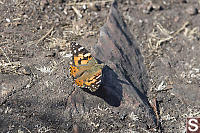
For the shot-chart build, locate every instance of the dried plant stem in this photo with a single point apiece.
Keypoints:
(43, 37)
(87, 3)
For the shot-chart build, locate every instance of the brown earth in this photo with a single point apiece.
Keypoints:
(37, 94)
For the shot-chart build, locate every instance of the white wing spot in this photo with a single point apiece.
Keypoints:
(98, 82)
(98, 76)
(86, 55)
(80, 48)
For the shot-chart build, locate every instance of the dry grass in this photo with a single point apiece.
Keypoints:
(155, 39)
(8, 66)
(88, 3)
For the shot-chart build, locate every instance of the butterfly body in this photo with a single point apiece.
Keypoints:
(85, 70)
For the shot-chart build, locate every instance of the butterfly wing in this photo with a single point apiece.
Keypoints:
(80, 56)
(81, 60)
(91, 79)
(85, 70)
(94, 82)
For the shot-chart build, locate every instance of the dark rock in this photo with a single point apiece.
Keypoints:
(125, 72)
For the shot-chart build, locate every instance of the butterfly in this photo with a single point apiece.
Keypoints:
(85, 69)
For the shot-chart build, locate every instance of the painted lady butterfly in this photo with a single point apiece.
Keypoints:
(84, 69)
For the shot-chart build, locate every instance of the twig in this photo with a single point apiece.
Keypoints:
(163, 40)
(2, 43)
(181, 29)
(43, 37)
(77, 12)
(26, 129)
(87, 3)
(163, 30)
(170, 35)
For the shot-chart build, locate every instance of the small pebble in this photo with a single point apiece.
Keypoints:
(156, 7)
(61, 8)
(65, 11)
(50, 54)
(8, 20)
(125, 8)
(25, 16)
(192, 10)
(84, 6)
(26, 70)
(123, 116)
(141, 23)
(176, 19)
(94, 7)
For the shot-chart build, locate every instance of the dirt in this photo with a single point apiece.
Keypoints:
(35, 87)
